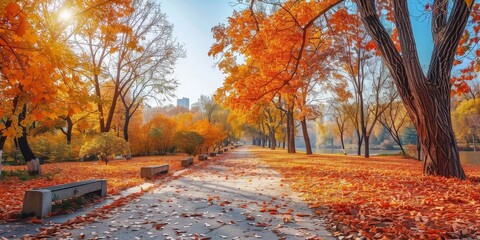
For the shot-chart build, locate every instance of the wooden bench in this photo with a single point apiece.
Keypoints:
(187, 161)
(202, 157)
(38, 201)
(150, 171)
(220, 152)
(212, 154)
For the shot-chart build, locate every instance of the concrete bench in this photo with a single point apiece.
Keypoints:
(150, 171)
(39, 200)
(187, 161)
(202, 157)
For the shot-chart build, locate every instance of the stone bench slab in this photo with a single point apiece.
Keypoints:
(39, 200)
(150, 171)
(187, 161)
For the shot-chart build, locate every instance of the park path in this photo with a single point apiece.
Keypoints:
(233, 197)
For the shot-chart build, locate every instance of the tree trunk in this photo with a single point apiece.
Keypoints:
(367, 147)
(438, 144)
(306, 138)
(342, 141)
(273, 141)
(68, 133)
(3, 139)
(1, 158)
(125, 126)
(426, 97)
(33, 163)
(474, 146)
(290, 132)
(359, 143)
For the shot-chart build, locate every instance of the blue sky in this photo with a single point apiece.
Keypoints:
(193, 20)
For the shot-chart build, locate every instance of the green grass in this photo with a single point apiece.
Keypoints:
(20, 174)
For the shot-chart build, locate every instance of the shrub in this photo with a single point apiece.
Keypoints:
(52, 147)
(188, 141)
(105, 145)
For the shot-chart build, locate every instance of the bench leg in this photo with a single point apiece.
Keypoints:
(104, 188)
(38, 202)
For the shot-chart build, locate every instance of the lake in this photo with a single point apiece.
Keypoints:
(466, 157)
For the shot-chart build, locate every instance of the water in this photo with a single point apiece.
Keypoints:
(466, 157)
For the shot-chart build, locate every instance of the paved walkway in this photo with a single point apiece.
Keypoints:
(235, 198)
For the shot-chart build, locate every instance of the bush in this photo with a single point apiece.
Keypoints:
(188, 141)
(105, 145)
(52, 147)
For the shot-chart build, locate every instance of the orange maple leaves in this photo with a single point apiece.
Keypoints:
(384, 197)
(120, 174)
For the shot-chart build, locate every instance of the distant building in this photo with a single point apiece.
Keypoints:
(183, 102)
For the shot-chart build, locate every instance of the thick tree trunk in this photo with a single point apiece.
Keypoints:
(306, 138)
(427, 98)
(439, 147)
(290, 132)
(273, 141)
(33, 163)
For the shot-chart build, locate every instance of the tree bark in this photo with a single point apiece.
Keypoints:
(306, 138)
(68, 133)
(290, 132)
(367, 143)
(33, 163)
(3, 139)
(342, 141)
(359, 143)
(273, 141)
(430, 112)
(127, 122)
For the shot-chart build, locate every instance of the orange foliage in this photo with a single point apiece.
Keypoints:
(383, 197)
(120, 175)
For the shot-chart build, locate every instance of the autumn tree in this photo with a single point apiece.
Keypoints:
(466, 120)
(395, 119)
(32, 52)
(382, 94)
(103, 43)
(272, 67)
(161, 132)
(147, 73)
(430, 113)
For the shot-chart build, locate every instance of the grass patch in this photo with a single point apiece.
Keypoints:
(22, 175)
(71, 205)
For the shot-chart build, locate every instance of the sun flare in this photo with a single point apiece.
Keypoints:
(65, 15)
